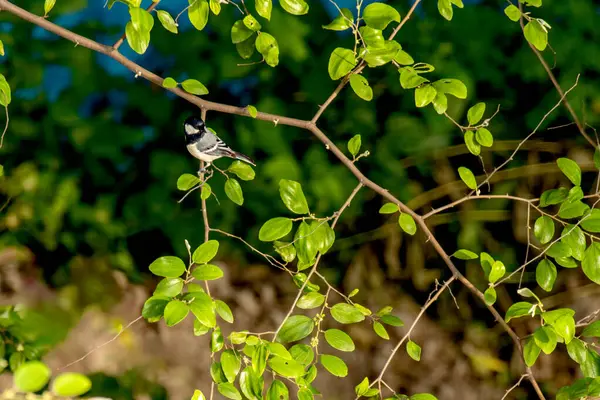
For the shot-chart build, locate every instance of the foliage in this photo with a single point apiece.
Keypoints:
(48, 203)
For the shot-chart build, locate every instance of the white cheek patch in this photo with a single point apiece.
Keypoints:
(190, 130)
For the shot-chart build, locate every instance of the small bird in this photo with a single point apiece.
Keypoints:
(206, 146)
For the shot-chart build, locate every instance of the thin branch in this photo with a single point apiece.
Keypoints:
(514, 386)
(562, 95)
(5, 127)
(101, 345)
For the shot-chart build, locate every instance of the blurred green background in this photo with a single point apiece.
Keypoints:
(92, 156)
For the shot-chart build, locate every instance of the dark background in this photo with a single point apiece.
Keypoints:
(92, 156)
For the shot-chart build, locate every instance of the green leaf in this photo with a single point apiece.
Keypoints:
(490, 296)
(475, 113)
(5, 94)
(71, 384)
(278, 391)
(513, 13)
(198, 13)
(545, 274)
(251, 384)
(517, 310)
(274, 229)
(205, 252)
(403, 58)
(48, 5)
(409, 78)
(233, 190)
(379, 15)
(187, 181)
(297, 327)
(424, 95)
(536, 34)
(440, 103)
(228, 390)
(242, 170)
(175, 312)
(168, 267)
(267, 46)
(306, 246)
(389, 208)
(141, 19)
(472, 146)
(240, 32)
(294, 7)
(445, 9)
(206, 191)
(597, 158)
(591, 223)
(484, 137)
(169, 287)
(1, 48)
(592, 330)
(292, 196)
(154, 308)
(215, 6)
(167, 21)
(207, 272)
(354, 143)
(341, 22)
(380, 330)
(345, 313)
(264, 8)
(467, 177)
(562, 321)
(413, 350)
(372, 37)
(573, 209)
(335, 365)
(577, 350)
(279, 350)
(224, 311)
(31, 376)
(341, 62)
(339, 340)
(545, 338)
(407, 223)
(380, 55)
(391, 320)
(203, 309)
(251, 23)
(137, 40)
(486, 263)
(246, 48)
(216, 373)
(231, 364)
(464, 254)
(570, 169)
(423, 396)
(362, 387)
(591, 263)
(287, 368)
(451, 86)
(497, 272)
(302, 353)
(531, 351)
(253, 113)
(544, 229)
(286, 250)
(361, 87)
(553, 196)
(311, 300)
(194, 87)
(216, 340)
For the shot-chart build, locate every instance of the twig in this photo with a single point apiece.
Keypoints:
(101, 345)
(514, 386)
(5, 127)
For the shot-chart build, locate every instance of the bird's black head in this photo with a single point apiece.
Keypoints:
(194, 126)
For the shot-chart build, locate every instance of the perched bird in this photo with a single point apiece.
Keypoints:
(206, 146)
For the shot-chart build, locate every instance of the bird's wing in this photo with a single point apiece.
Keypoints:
(212, 145)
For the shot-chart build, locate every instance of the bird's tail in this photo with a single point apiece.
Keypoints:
(242, 157)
